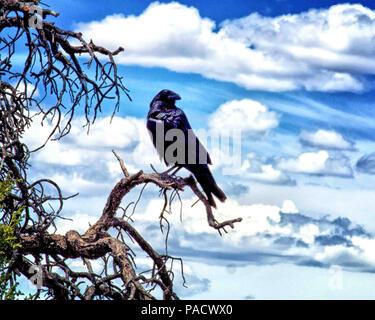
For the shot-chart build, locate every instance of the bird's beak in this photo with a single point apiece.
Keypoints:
(175, 96)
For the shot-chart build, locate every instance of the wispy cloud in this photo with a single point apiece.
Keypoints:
(323, 50)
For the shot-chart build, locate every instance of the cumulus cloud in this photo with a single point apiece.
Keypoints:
(250, 117)
(317, 163)
(267, 234)
(122, 133)
(257, 218)
(257, 169)
(366, 164)
(289, 207)
(84, 163)
(325, 50)
(325, 139)
(268, 174)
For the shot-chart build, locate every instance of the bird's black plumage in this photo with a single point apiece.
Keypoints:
(196, 159)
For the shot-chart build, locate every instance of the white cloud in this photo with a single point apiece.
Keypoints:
(306, 162)
(367, 245)
(30, 90)
(253, 169)
(324, 50)
(105, 132)
(269, 175)
(289, 207)
(257, 218)
(265, 229)
(84, 163)
(319, 163)
(361, 252)
(248, 116)
(37, 133)
(309, 232)
(78, 221)
(326, 139)
(88, 148)
(76, 182)
(120, 133)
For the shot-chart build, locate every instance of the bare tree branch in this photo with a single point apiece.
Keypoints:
(72, 75)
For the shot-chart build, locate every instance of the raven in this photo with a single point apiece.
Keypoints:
(163, 112)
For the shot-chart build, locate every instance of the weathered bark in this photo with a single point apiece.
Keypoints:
(96, 241)
(52, 64)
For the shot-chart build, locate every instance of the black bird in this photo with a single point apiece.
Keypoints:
(163, 112)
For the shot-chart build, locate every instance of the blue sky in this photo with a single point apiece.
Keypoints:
(297, 79)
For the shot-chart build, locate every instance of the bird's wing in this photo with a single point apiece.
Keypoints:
(176, 119)
(151, 126)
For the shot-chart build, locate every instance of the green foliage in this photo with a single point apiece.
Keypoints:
(8, 242)
(6, 187)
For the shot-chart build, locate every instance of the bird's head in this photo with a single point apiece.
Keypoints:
(168, 97)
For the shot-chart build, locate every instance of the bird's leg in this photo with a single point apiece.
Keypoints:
(176, 169)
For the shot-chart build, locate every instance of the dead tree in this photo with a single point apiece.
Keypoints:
(53, 67)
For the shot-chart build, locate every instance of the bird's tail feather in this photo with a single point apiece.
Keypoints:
(208, 184)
